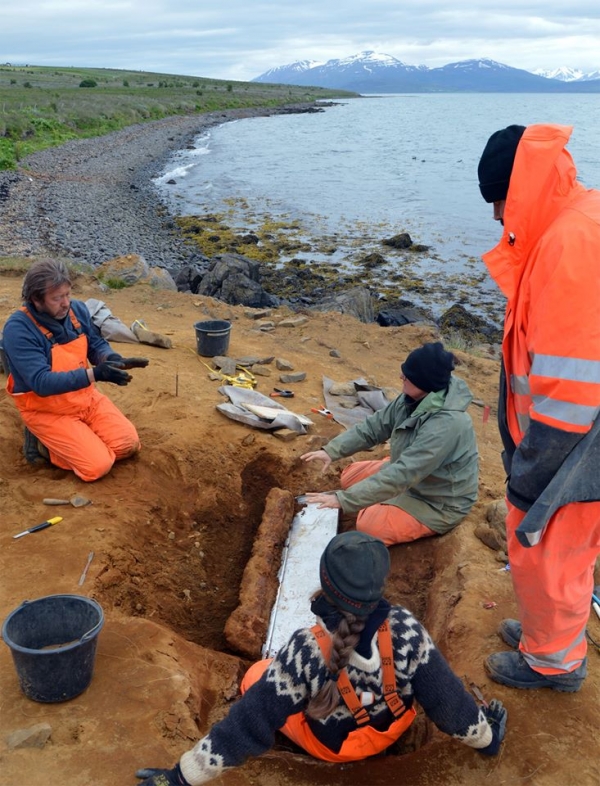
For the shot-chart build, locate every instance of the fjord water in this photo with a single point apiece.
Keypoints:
(367, 168)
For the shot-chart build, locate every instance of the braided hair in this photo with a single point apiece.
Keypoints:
(344, 640)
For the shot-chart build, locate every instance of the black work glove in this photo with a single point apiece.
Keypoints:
(121, 362)
(155, 777)
(133, 362)
(110, 372)
(496, 717)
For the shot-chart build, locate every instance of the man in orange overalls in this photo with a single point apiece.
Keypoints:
(48, 343)
(547, 266)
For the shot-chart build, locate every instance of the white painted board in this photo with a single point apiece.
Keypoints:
(310, 532)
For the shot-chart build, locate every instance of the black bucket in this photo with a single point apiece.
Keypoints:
(212, 337)
(53, 643)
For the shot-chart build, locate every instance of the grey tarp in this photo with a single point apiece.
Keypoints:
(350, 410)
(235, 411)
(111, 327)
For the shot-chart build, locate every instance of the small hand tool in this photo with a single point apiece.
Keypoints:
(43, 525)
(283, 393)
(322, 411)
(478, 694)
(87, 567)
(77, 501)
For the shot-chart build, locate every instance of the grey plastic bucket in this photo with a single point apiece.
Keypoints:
(53, 643)
(212, 337)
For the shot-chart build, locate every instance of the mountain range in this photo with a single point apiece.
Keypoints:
(373, 72)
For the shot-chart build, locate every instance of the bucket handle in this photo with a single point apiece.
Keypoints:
(92, 632)
(87, 635)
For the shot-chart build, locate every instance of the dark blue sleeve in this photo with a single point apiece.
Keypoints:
(98, 348)
(444, 698)
(249, 728)
(28, 352)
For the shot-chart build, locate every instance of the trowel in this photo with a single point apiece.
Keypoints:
(78, 501)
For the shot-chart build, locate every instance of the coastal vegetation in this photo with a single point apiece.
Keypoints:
(44, 106)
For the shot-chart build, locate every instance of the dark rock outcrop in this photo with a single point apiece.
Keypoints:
(235, 279)
(360, 302)
(461, 321)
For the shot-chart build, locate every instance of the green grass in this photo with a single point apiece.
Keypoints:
(44, 106)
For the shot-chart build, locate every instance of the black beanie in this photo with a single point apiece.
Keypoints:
(429, 367)
(353, 570)
(496, 163)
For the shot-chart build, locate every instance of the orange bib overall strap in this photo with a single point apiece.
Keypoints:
(64, 357)
(46, 331)
(364, 741)
(390, 694)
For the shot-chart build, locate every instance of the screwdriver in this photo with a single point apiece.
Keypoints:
(43, 525)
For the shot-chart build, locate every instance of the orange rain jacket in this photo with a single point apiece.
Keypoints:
(547, 265)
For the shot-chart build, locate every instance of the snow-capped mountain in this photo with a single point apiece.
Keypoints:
(364, 72)
(374, 72)
(273, 74)
(564, 73)
(567, 74)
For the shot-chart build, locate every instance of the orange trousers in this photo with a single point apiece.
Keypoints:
(386, 522)
(553, 584)
(359, 744)
(87, 442)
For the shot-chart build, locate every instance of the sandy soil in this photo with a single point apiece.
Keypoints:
(171, 532)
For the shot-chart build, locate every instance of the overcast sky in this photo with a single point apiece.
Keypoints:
(241, 39)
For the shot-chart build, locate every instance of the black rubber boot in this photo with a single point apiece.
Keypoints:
(33, 450)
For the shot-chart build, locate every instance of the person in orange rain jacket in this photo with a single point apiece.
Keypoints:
(49, 344)
(547, 265)
(344, 689)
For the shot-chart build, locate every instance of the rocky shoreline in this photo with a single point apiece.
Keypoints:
(92, 200)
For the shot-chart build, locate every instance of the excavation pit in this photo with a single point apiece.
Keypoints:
(192, 577)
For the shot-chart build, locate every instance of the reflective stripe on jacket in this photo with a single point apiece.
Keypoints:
(547, 266)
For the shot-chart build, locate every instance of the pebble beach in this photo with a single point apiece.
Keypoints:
(93, 199)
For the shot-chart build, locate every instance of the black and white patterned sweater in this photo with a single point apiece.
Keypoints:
(299, 671)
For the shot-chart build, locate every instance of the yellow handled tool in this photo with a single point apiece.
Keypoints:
(43, 525)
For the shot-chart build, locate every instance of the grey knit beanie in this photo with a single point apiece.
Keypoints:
(353, 570)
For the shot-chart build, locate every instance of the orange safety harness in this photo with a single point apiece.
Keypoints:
(390, 694)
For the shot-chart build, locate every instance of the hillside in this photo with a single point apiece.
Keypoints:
(42, 106)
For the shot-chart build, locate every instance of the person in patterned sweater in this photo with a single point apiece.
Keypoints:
(345, 689)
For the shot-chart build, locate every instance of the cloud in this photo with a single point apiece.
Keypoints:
(240, 40)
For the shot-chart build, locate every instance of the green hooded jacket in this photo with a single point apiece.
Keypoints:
(433, 469)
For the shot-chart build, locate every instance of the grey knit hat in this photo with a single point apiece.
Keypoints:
(353, 570)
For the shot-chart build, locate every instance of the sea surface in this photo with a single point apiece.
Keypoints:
(368, 168)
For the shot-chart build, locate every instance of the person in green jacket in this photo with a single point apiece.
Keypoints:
(429, 482)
